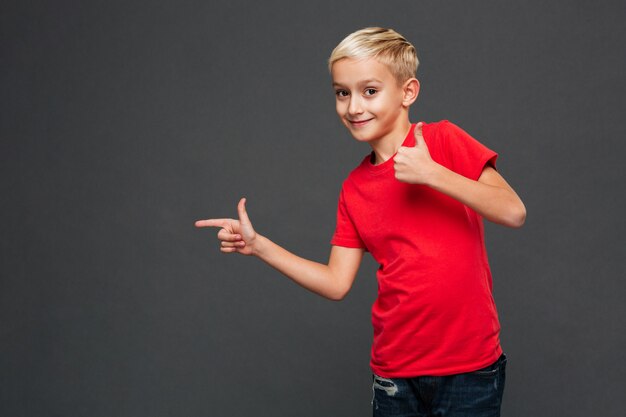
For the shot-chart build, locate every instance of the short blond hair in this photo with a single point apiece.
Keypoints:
(385, 45)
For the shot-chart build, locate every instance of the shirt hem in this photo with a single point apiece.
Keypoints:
(440, 371)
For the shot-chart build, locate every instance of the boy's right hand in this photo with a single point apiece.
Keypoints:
(236, 235)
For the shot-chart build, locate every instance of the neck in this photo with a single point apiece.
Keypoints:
(387, 146)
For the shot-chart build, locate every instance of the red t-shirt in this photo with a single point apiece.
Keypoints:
(435, 313)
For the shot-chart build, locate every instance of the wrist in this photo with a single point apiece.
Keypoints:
(435, 175)
(258, 245)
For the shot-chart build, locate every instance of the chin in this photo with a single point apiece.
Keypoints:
(361, 137)
(360, 134)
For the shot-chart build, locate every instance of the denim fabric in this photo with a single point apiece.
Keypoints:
(472, 394)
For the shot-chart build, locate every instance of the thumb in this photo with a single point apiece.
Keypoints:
(417, 132)
(243, 214)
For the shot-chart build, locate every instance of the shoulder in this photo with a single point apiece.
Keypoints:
(438, 136)
(442, 129)
(460, 151)
(449, 135)
(439, 125)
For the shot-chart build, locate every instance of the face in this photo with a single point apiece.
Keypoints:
(369, 100)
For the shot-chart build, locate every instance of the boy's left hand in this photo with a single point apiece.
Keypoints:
(414, 165)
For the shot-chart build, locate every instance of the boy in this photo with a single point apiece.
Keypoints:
(416, 203)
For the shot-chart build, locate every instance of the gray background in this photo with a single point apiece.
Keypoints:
(123, 122)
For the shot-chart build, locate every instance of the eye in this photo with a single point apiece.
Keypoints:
(341, 93)
(370, 91)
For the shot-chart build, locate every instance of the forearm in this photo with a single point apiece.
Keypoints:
(314, 276)
(495, 202)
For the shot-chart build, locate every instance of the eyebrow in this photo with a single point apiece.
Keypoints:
(364, 82)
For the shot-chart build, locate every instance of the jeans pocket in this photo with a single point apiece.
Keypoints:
(385, 384)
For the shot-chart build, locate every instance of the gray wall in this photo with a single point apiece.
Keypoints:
(123, 122)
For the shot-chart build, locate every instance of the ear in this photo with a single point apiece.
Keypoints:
(410, 91)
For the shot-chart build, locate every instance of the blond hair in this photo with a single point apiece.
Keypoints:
(385, 45)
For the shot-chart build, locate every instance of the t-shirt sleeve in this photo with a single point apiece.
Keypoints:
(345, 232)
(466, 155)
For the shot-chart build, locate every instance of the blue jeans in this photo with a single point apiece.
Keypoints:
(472, 394)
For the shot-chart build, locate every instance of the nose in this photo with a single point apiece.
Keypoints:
(355, 105)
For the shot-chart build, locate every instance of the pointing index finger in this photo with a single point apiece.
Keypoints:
(213, 223)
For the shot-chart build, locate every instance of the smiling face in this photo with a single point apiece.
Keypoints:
(369, 100)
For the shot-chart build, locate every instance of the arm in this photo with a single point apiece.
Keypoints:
(332, 280)
(491, 196)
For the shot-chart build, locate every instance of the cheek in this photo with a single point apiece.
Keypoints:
(383, 107)
(340, 108)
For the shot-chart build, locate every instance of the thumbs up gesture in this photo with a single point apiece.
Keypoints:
(235, 235)
(414, 165)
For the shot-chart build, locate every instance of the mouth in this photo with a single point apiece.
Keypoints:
(358, 123)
